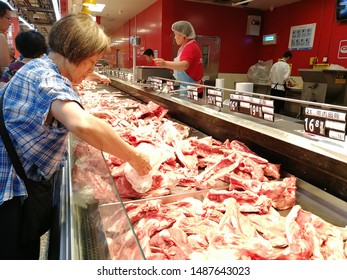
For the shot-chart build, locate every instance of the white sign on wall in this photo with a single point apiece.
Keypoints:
(302, 37)
(342, 52)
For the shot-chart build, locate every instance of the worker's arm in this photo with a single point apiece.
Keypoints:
(174, 65)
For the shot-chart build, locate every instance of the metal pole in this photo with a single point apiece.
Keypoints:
(134, 63)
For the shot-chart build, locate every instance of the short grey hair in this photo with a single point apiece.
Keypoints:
(77, 37)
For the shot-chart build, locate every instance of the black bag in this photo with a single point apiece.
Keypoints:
(37, 209)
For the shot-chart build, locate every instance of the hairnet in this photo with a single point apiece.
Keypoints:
(185, 28)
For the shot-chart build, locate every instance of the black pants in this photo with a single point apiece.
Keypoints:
(279, 104)
(22, 225)
(10, 221)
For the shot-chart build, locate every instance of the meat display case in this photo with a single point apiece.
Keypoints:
(321, 162)
(81, 231)
(322, 187)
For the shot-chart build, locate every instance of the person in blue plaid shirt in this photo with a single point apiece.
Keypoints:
(40, 108)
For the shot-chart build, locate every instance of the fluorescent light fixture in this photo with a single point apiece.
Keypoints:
(26, 23)
(97, 8)
(241, 2)
(56, 10)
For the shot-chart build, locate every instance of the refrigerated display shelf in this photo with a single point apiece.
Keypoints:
(313, 199)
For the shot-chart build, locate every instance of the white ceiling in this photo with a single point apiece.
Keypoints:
(118, 12)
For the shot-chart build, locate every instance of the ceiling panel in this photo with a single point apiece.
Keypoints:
(40, 13)
(116, 12)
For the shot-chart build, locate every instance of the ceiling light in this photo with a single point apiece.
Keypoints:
(241, 2)
(97, 8)
(26, 23)
(89, 2)
(56, 10)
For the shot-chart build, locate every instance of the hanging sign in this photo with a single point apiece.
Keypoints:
(331, 124)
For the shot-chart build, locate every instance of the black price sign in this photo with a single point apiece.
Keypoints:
(315, 125)
(331, 124)
(234, 105)
(255, 107)
(215, 97)
(192, 93)
(256, 111)
(157, 84)
(171, 85)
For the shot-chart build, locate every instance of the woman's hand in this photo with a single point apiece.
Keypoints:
(104, 79)
(141, 164)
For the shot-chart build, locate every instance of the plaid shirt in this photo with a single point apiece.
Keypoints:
(41, 147)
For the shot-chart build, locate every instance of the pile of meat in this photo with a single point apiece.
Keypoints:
(182, 160)
(233, 217)
(224, 225)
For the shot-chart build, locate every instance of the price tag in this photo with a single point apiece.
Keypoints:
(170, 85)
(255, 107)
(215, 97)
(157, 84)
(331, 124)
(234, 105)
(192, 93)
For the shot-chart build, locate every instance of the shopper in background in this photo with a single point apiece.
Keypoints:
(279, 75)
(31, 44)
(5, 22)
(40, 108)
(188, 65)
(12, 53)
(149, 55)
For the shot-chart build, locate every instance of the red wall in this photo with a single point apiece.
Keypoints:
(238, 50)
(328, 33)
(230, 27)
(147, 25)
